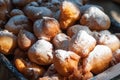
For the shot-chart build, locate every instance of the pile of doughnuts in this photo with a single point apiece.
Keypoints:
(57, 39)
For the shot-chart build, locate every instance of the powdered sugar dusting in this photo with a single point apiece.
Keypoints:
(97, 14)
(62, 54)
(42, 47)
(7, 33)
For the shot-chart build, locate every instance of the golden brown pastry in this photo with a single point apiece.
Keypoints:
(8, 42)
(61, 41)
(98, 59)
(35, 12)
(95, 19)
(29, 69)
(26, 39)
(82, 43)
(65, 62)
(46, 28)
(107, 39)
(18, 22)
(69, 14)
(41, 52)
(15, 12)
(76, 28)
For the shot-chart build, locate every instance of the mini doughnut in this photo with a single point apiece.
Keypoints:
(41, 52)
(82, 43)
(65, 62)
(46, 28)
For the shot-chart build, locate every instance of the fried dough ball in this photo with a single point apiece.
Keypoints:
(8, 42)
(116, 57)
(5, 7)
(61, 41)
(65, 62)
(46, 28)
(31, 70)
(69, 14)
(37, 12)
(109, 40)
(41, 52)
(95, 19)
(82, 43)
(21, 3)
(98, 59)
(15, 12)
(18, 22)
(26, 39)
(76, 28)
